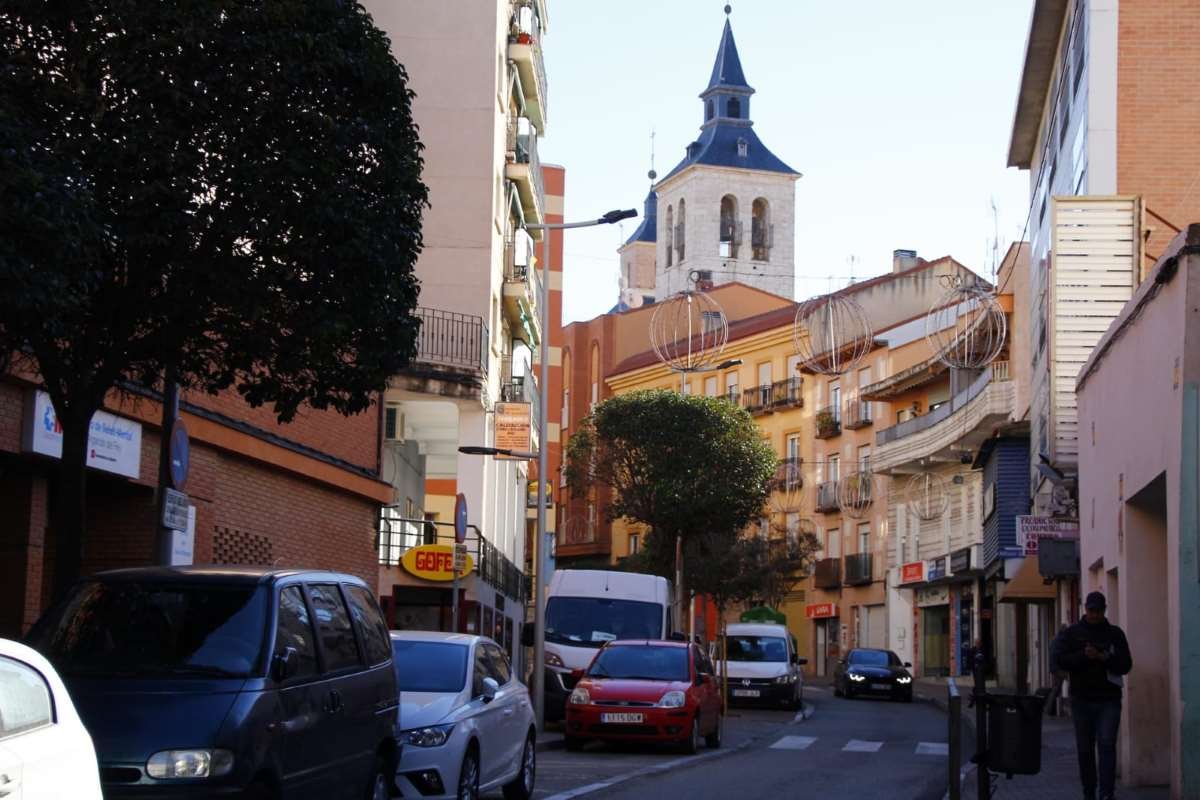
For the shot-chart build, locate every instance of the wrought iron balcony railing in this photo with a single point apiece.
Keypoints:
(450, 339)
(757, 399)
(829, 422)
(828, 573)
(857, 414)
(827, 497)
(788, 393)
(858, 569)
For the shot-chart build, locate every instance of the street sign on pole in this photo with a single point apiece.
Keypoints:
(460, 518)
(460, 558)
(174, 510)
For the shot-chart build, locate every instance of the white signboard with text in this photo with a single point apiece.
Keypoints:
(114, 443)
(183, 543)
(1031, 530)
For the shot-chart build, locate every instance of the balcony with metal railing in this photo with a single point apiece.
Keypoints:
(524, 168)
(827, 573)
(789, 475)
(857, 414)
(788, 393)
(522, 288)
(757, 399)
(452, 353)
(858, 570)
(732, 395)
(827, 497)
(829, 422)
(522, 388)
(525, 52)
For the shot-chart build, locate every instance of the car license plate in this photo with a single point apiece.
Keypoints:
(880, 687)
(745, 692)
(622, 717)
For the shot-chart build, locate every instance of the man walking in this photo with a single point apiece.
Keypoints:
(1095, 655)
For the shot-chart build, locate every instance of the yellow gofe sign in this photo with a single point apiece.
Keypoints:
(434, 562)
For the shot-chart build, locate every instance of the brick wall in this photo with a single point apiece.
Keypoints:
(1158, 118)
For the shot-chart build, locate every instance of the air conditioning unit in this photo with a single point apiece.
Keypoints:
(393, 424)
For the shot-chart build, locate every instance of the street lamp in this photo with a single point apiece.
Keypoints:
(539, 612)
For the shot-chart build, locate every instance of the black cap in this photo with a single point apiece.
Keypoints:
(1095, 602)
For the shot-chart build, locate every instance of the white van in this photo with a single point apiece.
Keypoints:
(586, 608)
(764, 666)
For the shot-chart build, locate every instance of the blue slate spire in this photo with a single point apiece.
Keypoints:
(727, 69)
(647, 231)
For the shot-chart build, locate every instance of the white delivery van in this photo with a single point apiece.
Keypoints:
(586, 608)
(764, 667)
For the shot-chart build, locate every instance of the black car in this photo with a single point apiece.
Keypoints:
(869, 671)
(229, 682)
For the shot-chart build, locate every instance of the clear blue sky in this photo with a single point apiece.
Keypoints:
(898, 115)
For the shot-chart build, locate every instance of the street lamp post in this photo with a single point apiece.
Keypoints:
(539, 611)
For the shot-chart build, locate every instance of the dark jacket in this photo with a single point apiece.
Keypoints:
(1090, 677)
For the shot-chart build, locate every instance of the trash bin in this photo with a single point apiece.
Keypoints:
(1014, 733)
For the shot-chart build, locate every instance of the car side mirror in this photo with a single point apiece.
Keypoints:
(283, 665)
(527, 632)
(701, 679)
(908, 664)
(490, 687)
(801, 660)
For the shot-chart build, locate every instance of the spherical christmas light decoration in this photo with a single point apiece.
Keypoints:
(856, 493)
(832, 334)
(966, 327)
(787, 488)
(927, 496)
(688, 331)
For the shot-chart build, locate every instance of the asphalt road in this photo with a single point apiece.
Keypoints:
(859, 749)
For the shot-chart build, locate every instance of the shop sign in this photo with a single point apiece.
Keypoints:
(960, 560)
(514, 428)
(434, 562)
(937, 568)
(820, 610)
(531, 494)
(1031, 530)
(933, 596)
(114, 443)
(913, 572)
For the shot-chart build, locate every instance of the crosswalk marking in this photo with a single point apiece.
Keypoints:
(860, 746)
(933, 749)
(794, 743)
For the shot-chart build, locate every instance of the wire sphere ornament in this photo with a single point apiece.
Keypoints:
(787, 488)
(966, 328)
(927, 496)
(688, 331)
(832, 334)
(856, 493)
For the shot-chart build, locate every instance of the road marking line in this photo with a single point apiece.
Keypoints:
(860, 746)
(794, 743)
(933, 749)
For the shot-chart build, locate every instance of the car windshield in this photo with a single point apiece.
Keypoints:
(429, 666)
(140, 628)
(755, 648)
(647, 662)
(592, 621)
(874, 658)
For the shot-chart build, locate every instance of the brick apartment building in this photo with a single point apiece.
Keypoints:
(306, 494)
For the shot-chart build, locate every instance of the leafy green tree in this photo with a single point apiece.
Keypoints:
(686, 467)
(227, 192)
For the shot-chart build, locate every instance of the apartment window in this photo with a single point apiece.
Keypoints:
(833, 543)
(835, 465)
(792, 522)
(864, 537)
(731, 384)
(835, 400)
(710, 387)
(764, 374)
(729, 224)
(864, 458)
(793, 447)
(864, 380)
(760, 230)
(793, 367)
(635, 543)
(685, 387)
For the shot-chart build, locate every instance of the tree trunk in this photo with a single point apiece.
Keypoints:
(71, 514)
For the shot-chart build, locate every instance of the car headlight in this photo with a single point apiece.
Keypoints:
(786, 679)
(432, 736)
(856, 677)
(904, 679)
(580, 696)
(553, 660)
(192, 763)
(675, 699)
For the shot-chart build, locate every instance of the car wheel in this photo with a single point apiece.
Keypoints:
(573, 743)
(378, 788)
(468, 776)
(521, 787)
(692, 743)
(713, 740)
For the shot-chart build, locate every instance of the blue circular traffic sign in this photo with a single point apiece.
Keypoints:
(460, 518)
(178, 455)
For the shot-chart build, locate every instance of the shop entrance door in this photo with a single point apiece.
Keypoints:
(822, 646)
(936, 641)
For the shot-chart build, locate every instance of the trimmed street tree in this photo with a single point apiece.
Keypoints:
(683, 466)
(226, 193)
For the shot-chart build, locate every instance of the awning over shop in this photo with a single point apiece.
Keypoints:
(1028, 585)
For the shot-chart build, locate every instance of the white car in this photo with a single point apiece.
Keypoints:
(764, 667)
(466, 723)
(45, 752)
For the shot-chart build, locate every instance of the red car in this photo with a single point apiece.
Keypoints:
(646, 691)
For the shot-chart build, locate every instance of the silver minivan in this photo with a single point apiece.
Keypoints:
(764, 666)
